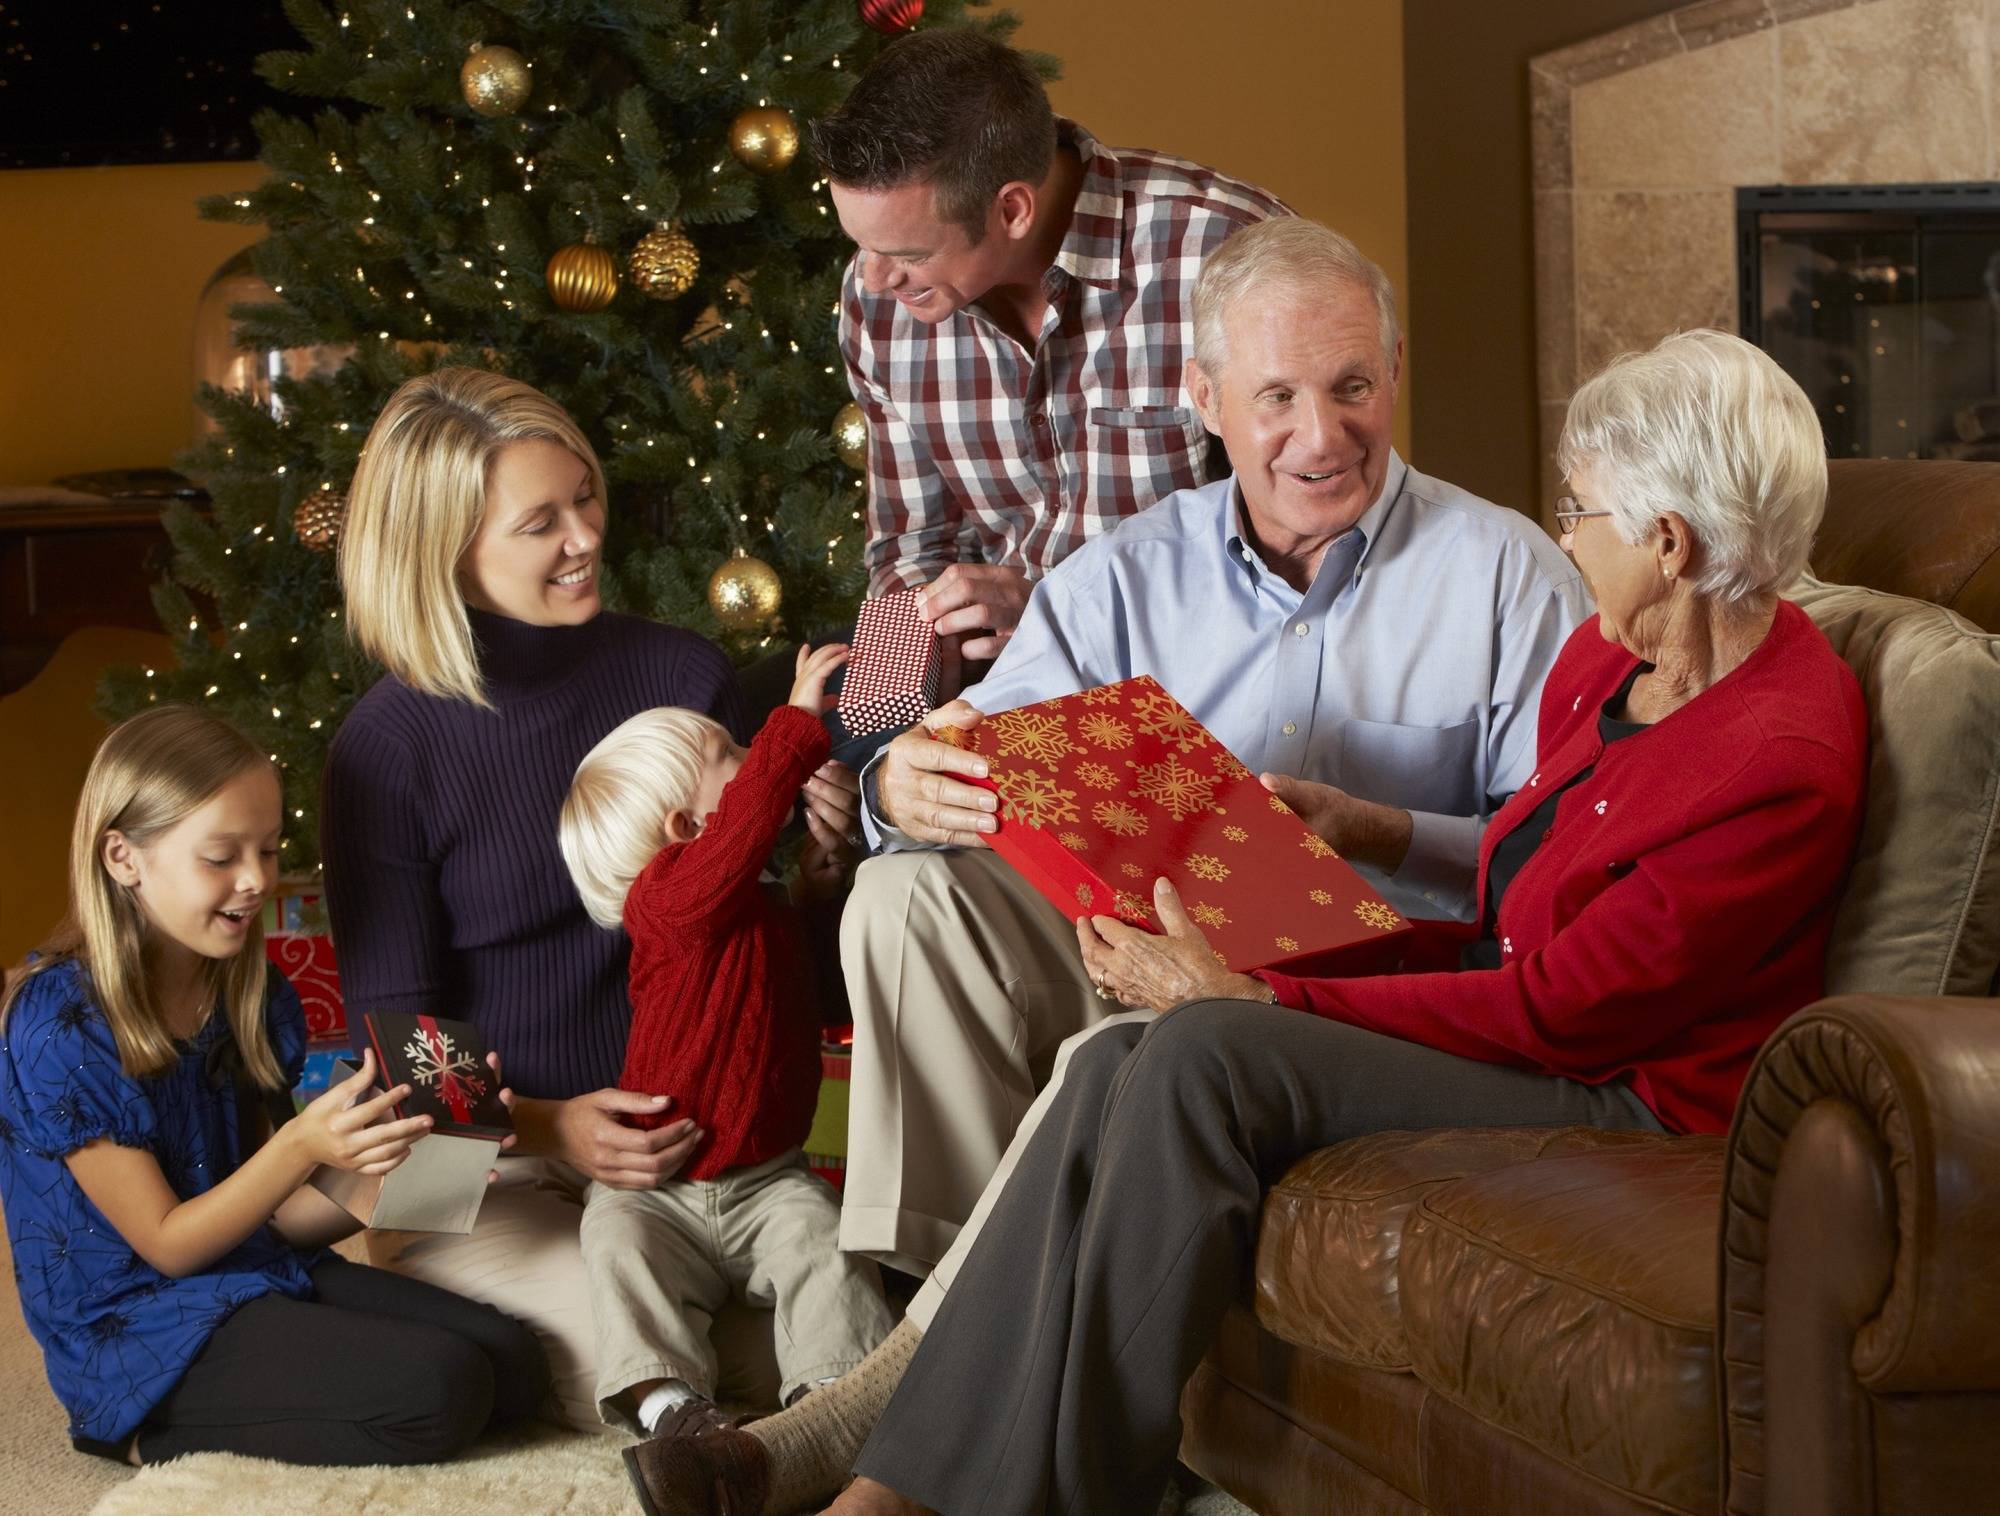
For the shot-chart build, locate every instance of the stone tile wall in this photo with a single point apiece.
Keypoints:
(1642, 136)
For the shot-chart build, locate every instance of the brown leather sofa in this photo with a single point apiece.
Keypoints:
(1803, 1316)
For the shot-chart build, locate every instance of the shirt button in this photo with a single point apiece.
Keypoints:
(1291, 728)
(1300, 629)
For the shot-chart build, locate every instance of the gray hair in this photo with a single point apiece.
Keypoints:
(1707, 425)
(1291, 252)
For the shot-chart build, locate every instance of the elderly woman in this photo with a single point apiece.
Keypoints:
(471, 563)
(1652, 904)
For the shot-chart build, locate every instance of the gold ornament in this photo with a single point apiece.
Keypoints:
(582, 277)
(745, 593)
(495, 80)
(764, 139)
(850, 436)
(663, 264)
(318, 519)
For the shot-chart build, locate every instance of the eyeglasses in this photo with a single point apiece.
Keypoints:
(1568, 513)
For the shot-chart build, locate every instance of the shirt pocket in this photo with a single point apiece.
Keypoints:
(1419, 768)
(1143, 453)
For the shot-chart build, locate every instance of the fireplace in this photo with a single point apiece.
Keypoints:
(1883, 301)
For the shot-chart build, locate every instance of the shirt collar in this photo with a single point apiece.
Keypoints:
(1236, 546)
(1093, 249)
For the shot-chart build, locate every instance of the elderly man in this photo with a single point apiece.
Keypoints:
(1373, 640)
(1014, 324)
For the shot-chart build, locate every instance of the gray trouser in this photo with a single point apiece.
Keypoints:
(1050, 1379)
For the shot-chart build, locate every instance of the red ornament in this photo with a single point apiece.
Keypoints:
(892, 17)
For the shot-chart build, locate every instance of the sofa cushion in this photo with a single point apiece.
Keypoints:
(1332, 1229)
(1571, 1301)
(1921, 914)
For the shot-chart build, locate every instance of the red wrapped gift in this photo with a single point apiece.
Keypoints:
(894, 669)
(1103, 792)
(297, 944)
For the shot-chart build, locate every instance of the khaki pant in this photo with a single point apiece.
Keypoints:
(663, 1263)
(525, 1258)
(964, 983)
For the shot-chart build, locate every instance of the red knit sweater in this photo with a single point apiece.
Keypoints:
(1678, 909)
(723, 1017)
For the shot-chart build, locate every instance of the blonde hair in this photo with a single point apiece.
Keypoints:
(150, 774)
(1708, 425)
(1298, 255)
(414, 508)
(612, 820)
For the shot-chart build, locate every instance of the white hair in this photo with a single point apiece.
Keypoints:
(1707, 425)
(614, 817)
(1291, 253)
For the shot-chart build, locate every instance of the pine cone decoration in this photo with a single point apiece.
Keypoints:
(318, 519)
(664, 262)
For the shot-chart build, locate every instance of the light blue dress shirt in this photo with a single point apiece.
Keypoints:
(1407, 673)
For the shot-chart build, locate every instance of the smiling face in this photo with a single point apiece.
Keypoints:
(1629, 581)
(1304, 403)
(201, 882)
(930, 266)
(535, 555)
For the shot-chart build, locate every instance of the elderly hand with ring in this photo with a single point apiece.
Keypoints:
(1156, 972)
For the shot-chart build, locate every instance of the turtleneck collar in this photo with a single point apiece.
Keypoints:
(520, 660)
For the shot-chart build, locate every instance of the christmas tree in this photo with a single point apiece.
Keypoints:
(607, 201)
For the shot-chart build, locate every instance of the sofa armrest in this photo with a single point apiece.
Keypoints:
(1859, 1226)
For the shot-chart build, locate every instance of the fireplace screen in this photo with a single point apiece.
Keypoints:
(1883, 301)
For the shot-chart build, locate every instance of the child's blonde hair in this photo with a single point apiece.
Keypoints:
(414, 507)
(150, 774)
(612, 822)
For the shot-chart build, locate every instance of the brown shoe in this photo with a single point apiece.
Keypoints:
(705, 1470)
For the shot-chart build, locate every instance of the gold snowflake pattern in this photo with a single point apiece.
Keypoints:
(1103, 695)
(953, 736)
(1085, 896)
(1378, 915)
(1076, 842)
(1175, 788)
(1038, 736)
(1288, 945)
(1131, 871)
(1320, 897)
(1119, 819)
(1107, 732)
(1235, 834)
(1228, 765)
(1317, 845)
(1132, 907)
(1207, 866)
(1217, 952)
(1208, 915)
(1166, 718)
(1032, 798)
(1280, 807)
(1099, 776)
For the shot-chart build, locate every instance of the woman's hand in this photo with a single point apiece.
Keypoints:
(1157, 973)
(585, 1131)
(341, 1130)
(1359, 830)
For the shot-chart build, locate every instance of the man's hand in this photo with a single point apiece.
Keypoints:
(916, 793)
(1359, 830)
(1157, 973)
(585, 1131)
(976, 597)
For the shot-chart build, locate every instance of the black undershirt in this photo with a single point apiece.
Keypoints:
(1512, 852)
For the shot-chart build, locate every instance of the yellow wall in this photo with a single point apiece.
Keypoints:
(101, 269)
(1303, 97)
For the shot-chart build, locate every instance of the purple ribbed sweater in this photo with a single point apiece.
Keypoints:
(446, 891)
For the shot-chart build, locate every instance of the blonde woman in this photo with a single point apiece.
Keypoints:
(173, 1271)
(471, 563)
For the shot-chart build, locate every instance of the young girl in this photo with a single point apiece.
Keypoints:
(179, 1285)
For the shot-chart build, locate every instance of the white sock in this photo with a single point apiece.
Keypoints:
(664, 1397)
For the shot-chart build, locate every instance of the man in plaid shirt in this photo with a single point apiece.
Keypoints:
(1016, 323)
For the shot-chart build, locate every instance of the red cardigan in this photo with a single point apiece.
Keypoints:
(723, 1017)
(1678, 909)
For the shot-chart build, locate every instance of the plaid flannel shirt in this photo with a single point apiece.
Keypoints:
(984, 452)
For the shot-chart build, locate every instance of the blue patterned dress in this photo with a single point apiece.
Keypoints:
(116, 1334)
